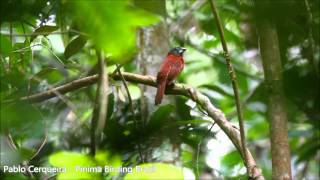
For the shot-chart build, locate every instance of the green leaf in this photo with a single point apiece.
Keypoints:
(159, 117)
(259, 129)
(104, 158)
(183, 110)
(231, 159)
(157, 7)
(74, 46)
(23, 117)
(155, 171)
(70, 161)
(25, 153)
(111, 25)
(308, 149)
(5, 46)
(134, 91)
(43, 30)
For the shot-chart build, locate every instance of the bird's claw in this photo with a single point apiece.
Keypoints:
(171, 84)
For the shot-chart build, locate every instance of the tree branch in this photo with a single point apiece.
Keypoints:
(179, 89)
(101, 103)
(233, 78)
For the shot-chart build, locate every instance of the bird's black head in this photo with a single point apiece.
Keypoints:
(177, 51)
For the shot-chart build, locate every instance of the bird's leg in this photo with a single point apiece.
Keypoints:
(170, 84)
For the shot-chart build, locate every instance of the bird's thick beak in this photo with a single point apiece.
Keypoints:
(183, 50)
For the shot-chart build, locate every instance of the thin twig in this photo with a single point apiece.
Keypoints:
(132, 111)
(118, 67)
(40, 147)
(233, 78)
(199, 110)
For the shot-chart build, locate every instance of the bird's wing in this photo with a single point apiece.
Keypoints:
(176, 68)
(164, 72)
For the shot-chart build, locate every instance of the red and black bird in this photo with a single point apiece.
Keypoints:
(169, 70)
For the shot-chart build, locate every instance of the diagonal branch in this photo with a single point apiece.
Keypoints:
(179, 89)
(233, 78)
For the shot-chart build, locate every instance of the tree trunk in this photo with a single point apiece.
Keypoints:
(277, 115)
(153, 48)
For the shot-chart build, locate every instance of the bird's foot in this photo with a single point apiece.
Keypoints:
(171, 84)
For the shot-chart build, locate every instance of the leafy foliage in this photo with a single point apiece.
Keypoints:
(110, 14)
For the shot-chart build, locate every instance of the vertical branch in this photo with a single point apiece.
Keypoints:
(233, 80)
(132, 110)
(310, 38)
(100, 105)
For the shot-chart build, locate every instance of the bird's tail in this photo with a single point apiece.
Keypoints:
(160, 92)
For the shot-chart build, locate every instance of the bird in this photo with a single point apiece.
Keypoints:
(170, 68)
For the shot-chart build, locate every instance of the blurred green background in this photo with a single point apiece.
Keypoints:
(45, 43)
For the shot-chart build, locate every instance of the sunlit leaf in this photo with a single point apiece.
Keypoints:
(155, 171)
(231, 159)
(104, 158)
(102, 22)
(134, 91)
(72, 161)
